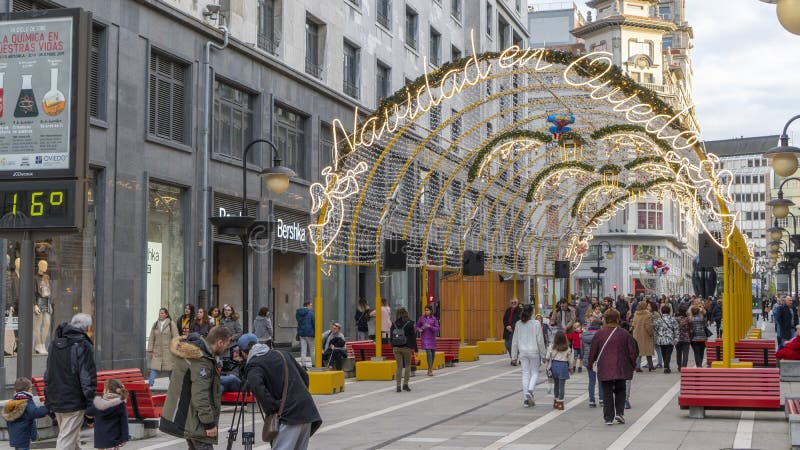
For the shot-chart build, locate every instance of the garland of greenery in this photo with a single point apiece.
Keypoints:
(610, 168)
(613, 76)
(584, 191)
(675, 167)
(628, 128)
(507, 136)
(554, 168)
(636, 188)
(604, 210)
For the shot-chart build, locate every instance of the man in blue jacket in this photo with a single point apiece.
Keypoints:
(784, 322)
(305, 333)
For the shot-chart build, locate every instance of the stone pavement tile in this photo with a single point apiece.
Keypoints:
(771, 430)
(707, 440)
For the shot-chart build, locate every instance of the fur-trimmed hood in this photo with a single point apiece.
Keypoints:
(107, 401)
(190, 347)
(15, 408)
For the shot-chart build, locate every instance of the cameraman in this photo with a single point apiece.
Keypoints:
(264, 370)
(231, 378)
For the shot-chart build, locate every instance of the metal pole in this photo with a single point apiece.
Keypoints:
(318, 313)
(25, 349)
(3, 288)
(378, 337)
(245, 285)
(491, 306)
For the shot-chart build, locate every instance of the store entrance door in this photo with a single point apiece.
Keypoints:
(227, 277)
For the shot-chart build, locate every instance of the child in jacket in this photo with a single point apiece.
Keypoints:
(574, 336)
(110, 416)
(559, 358)
(21, 413)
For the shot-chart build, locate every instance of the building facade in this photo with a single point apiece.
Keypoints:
(650, 41)
(550, 23)
(160, 167)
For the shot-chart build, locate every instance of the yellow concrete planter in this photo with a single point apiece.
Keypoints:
(467, 353)
(491, 347)
(422, 359)
(327, 382)
(376, 370)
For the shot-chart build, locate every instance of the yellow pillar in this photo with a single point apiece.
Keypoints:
(318, 316)
(378, 337)
(461, 307)
(515, 286)
(491, 305)
(728, 310)
(569, 289)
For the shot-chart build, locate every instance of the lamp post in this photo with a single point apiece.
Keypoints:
(788, 14)
(276, 177)
(599, 269)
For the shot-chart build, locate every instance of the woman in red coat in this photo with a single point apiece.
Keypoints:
(791, 350)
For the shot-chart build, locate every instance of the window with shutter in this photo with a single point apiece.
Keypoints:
(290, 135)
(97, 73)
(168, 109)
(31, 5)
(233, 122)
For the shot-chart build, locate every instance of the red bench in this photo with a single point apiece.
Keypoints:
(142, 404)
(348, 346)
(761, 352)
(450, 348)
(750, 389)
(232, 398)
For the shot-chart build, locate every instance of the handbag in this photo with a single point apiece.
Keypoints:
(594, 365)
(272, 422)
(548, 369)
(708, 332)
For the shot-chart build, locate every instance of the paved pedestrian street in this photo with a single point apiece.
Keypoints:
(478, 405)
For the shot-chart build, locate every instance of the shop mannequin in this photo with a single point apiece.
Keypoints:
(9, 341)
(42, 309)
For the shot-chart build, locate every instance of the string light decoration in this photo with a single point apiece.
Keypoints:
(447, 166)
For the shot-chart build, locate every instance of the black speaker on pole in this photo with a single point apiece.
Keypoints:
(472, 263)
(562, 269)
(394, 254)
(710, 253)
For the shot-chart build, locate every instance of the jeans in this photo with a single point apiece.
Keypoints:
(154, 374)
(698, 347)
(639, 362)
(530, 371)
(307, 349)
(682, 359)
(362, 335)
(613, 399)
(660, 356)
(576, 354)
(431, 354)
(666, 350)
(628, 390)
(508, 345)
(559, 385)
(292, 437)
(592, 383)
(403, 357)
(230, 383)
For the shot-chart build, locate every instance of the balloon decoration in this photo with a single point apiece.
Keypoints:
(560, 122)
(656, 267)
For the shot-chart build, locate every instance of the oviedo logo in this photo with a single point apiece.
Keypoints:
(292, 232)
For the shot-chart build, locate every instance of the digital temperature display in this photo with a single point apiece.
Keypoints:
(38, 204)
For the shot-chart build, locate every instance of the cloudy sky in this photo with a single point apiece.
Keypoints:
(746, 69)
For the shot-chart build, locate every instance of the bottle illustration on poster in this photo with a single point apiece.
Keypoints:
(2, 75)
(26, 103)
(53, 101)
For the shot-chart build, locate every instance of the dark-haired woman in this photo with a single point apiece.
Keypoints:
(262, 326)
(527, 347)
(158, 345)
(214, 316)
(230, 320)
(185, 321)
(684, 337)
(614, 350)
(428, 326)
(404, 345)
(201, 324)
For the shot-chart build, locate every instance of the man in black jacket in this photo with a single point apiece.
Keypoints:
(71, 378)
(510, 318)
(265, 372)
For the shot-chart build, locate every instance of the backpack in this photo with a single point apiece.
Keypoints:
(399, 335)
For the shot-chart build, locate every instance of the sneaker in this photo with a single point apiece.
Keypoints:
(526, 404)
(580, 369)
(619, 419)
(667, 371)
(658, 366)
(627, 404)
(529, 398)
(592, 404)
(609, 422)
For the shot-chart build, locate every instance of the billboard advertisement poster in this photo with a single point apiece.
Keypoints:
(41, 89)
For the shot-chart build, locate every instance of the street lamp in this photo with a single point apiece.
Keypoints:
(788, 14)
(276, 178)
(784, 156)
(599, 269)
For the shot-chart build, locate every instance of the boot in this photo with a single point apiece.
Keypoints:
(555, 404)
(430, 373)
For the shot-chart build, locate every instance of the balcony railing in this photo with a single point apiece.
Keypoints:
(659, 88)
(350, 88)
(313, 68)
(269, 43)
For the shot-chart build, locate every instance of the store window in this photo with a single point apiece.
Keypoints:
(165, 251)
(64, 280)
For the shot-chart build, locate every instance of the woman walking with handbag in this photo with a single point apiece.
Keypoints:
(613, 355)
(527, 347)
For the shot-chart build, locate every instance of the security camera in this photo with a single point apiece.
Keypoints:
(211, 11)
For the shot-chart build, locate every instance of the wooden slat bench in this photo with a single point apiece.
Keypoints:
(365, 352)
(232, 398)
(142, 404)
(793, 416)
(760, 352)
(450, 348)
(348, 346)
(750, 389)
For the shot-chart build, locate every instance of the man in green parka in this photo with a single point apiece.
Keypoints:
(192, 408)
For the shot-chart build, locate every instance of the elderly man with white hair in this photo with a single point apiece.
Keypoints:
(70, 378)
